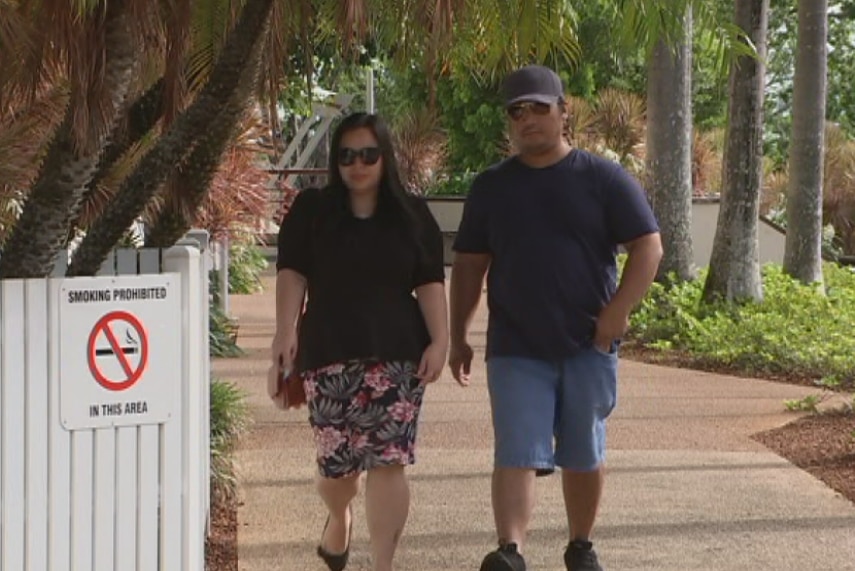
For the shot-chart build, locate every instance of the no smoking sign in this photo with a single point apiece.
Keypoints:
(120, 350)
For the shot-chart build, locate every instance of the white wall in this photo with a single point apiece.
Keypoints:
(447, 212)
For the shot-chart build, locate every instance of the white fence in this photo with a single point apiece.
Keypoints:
(128, 498)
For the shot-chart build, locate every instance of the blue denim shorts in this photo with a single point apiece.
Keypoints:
(552, 413)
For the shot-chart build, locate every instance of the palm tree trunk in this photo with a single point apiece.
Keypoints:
(734, 272)
(54, 200)
(170, 150)
(803, 248)
(193, 180)
(669, 150)
(142, 116)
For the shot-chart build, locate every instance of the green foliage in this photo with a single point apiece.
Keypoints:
(473, 118)
(452, 185)
(229, 421)
(607, 61)
(796, 330)
(806, 404)
(246, 262)
(222, 333)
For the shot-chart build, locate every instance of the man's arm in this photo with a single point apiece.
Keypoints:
(642, 262)
(467, 278)
(643, 256)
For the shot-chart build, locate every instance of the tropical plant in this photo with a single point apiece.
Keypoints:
(229, 421)
(420, 146)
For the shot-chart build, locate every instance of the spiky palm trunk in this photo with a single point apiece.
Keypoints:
(193, 180)
(172, 147)
(734, 272)
(142, 115)
(803, 249)
(54, 200)
(669, 150)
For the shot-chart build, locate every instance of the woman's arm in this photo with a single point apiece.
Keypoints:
(290, 293)
(431, 297)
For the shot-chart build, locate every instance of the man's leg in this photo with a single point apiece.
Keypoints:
(523, 395)
(588, 396)
(513, 503)
(582, 492)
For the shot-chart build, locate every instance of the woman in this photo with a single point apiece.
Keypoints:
(366, 347)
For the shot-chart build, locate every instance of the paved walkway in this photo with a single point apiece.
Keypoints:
(687, 488)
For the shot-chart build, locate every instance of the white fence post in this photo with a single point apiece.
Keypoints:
(186, 260)
(12, 444)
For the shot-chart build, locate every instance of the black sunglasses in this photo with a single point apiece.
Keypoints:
(518, 110)
(368, 155)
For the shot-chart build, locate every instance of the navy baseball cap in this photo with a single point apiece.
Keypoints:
(532, 83)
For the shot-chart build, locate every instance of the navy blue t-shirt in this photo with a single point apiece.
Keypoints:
(553, 235)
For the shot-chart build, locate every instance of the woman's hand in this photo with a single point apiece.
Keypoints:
(433, 360)
(283, 350)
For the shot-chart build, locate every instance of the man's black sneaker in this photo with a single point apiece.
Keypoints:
(505, 558)
(580, 556)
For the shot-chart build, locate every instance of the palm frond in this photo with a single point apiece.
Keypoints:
(420, 146)
(210, 23)
(25, 133)
(179, 20)
(16, 47)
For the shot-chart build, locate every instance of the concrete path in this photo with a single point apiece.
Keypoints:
(687, 488)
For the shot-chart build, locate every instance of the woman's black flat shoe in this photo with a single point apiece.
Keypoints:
(335, 561)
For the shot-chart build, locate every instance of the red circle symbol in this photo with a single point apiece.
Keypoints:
(132, 340)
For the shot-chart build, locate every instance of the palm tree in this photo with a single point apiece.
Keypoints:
(734, 271)
(239, 57)
(669, 148)
(219, 84)
(98, 90)
(803, 249)
(666, 30)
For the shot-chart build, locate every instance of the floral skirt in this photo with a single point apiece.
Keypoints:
(363, 414)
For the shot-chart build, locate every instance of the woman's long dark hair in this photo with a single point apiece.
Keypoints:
(394, 204)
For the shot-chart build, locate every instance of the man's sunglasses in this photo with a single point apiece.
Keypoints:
(368, 155)
(518, 110)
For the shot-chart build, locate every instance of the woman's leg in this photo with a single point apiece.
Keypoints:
(387, 504)
(337, 493)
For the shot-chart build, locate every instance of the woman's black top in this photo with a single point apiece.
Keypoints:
(361, 276)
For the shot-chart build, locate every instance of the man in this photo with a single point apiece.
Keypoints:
(547, 223)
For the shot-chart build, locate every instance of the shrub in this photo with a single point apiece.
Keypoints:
(795, 331)
(222, 333)
(246, 262)
(229, 420)
(453, 185)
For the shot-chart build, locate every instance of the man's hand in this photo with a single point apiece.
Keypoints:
(612, 324)
(460, 362)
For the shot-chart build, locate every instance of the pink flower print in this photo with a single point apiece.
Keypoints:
(395, 454)
(328, 440)
(378, 382)
(334, 369)
(360, 399)
(402, 411)
(359, 442)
